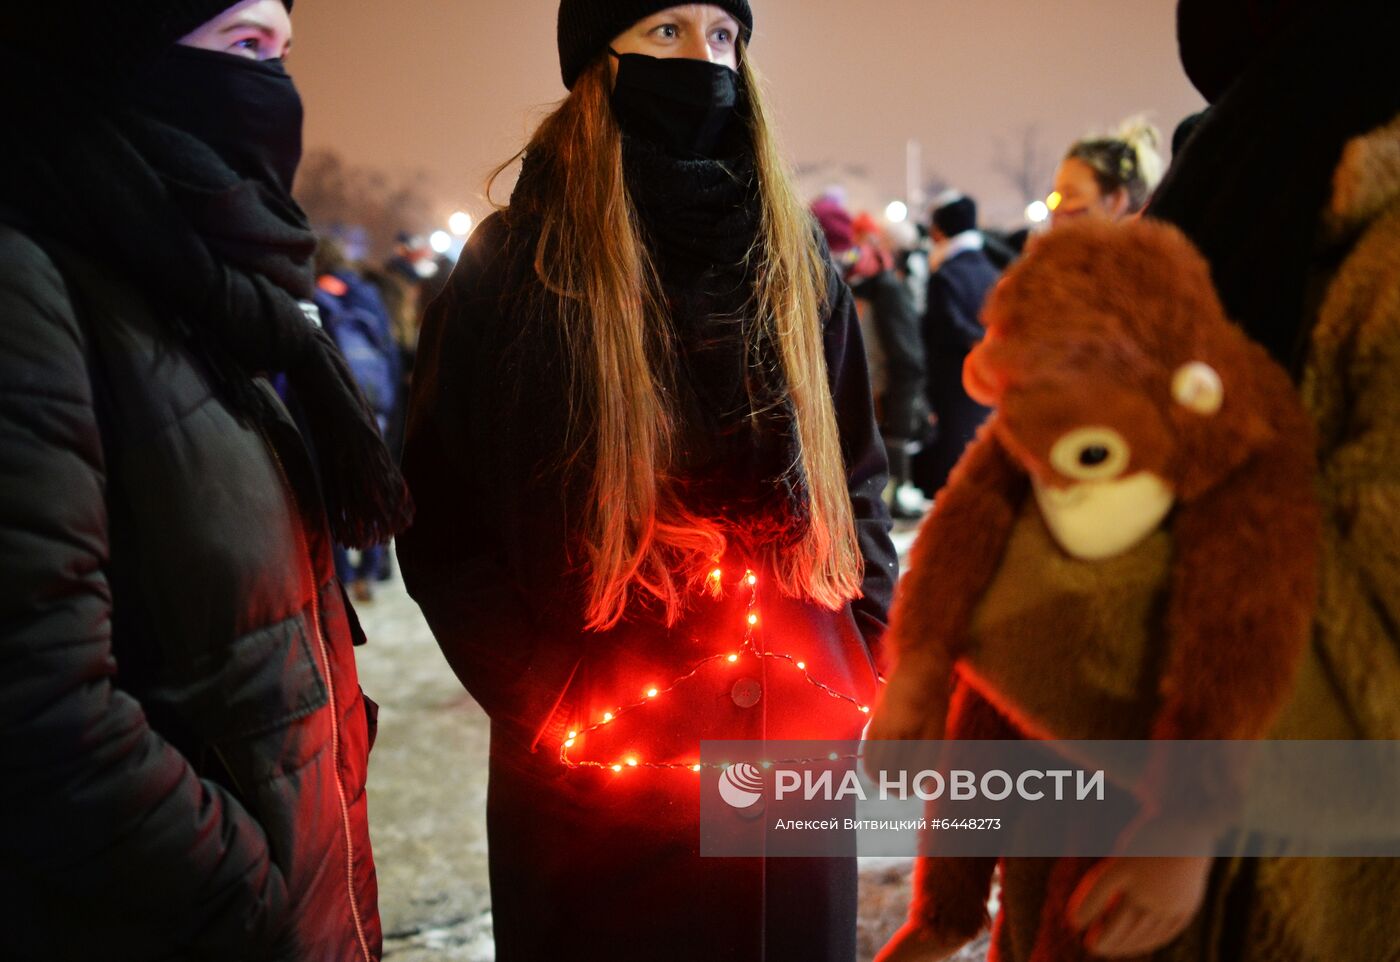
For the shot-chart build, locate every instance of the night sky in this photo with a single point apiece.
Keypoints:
(452, 87)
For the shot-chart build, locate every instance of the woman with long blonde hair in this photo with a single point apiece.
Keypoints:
(649, 481)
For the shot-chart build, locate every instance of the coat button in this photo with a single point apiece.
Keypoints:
(746, 692)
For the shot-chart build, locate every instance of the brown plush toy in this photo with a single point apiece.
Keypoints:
(1128, 550)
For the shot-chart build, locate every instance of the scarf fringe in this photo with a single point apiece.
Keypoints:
(367, 499)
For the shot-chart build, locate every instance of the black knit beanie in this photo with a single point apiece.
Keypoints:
(586, 27)
(103, 40)
(956, 214)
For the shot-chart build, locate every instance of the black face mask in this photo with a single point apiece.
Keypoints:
(247, 111)
(684, 106)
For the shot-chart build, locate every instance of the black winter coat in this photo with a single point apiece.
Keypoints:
(488, 557)
(183, 742)
(581, 868)
(952, 327)
(904, 406)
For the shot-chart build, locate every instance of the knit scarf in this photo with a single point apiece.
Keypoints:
(1252, 184)
(226, 259)
(738, 459)
(697, 210)
(741, 461)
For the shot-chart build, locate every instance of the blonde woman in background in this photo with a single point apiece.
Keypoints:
(1109, 177)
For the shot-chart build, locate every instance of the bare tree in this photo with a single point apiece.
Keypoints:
(336, 194)
(1027, 166)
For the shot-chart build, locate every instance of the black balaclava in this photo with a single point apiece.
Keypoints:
(683, 106)
(248, 111)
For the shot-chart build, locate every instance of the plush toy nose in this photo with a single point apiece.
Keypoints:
(980, 379)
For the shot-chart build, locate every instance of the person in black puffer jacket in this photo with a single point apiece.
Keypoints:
(183, 741)
(645, 383)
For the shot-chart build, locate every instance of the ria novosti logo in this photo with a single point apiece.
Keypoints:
(741, 785)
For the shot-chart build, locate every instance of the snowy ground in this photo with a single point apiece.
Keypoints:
(428, 800)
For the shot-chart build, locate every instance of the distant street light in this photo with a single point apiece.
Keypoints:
(441, 241)
(460, 223)
(897, 212)
(1038, 212)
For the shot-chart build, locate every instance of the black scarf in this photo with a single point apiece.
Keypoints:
(228, 258)
(739, 456)
(696, 210)
(1251, 186)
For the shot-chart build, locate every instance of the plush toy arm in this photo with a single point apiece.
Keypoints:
(952, 561)
(1243, 597)
(1244, 590)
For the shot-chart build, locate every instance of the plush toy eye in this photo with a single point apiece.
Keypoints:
(1091, 454)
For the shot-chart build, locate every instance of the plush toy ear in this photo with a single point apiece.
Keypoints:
(1197, 387)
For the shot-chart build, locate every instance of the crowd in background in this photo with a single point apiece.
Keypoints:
(373, 315)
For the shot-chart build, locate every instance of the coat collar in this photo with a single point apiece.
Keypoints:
(1366, 183)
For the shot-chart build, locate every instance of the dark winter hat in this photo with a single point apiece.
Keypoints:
(955, 214)
(1220, 38)
(836, 224)
(100, 38)
(586, 27)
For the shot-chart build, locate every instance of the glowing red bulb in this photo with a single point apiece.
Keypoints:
(652, 693)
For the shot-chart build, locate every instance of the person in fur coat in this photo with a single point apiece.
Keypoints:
(1154, 466)
(1291, 190)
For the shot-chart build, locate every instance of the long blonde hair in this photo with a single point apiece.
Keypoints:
(641, 540)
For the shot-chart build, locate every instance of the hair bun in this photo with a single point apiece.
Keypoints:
(1145, 139)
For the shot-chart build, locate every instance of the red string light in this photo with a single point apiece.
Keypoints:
(715, 584)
